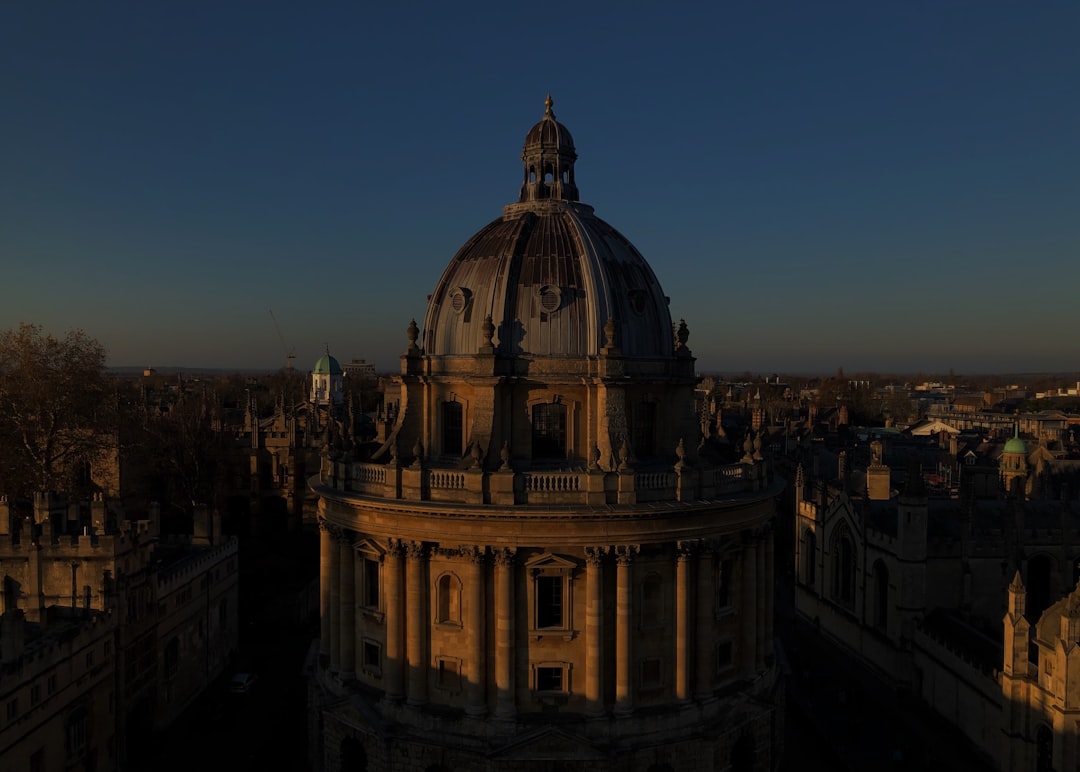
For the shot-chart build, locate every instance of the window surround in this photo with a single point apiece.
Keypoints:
(447, 605)
(552, 568)
(369, 559)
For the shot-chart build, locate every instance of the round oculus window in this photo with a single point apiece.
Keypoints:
(550, 298)
(459, 299)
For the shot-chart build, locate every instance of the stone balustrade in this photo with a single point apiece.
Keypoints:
(568, 487)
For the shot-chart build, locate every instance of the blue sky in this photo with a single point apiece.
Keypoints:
(889, 186)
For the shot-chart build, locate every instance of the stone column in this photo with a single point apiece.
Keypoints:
(326, 547)
(624, 608)
(335, 602)
(476, 686)
(684, 552)
(394, 666)
(347, 557)
(594, 630)
(770, 589)
(416, 625)
(748, 608)
(504, 634)
(705, 656)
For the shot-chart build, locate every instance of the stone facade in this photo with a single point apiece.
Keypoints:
(173, 603)
(536, 567)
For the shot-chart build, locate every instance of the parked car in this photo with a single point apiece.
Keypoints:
(241, 683)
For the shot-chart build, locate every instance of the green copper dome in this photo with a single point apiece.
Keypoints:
(327, 364)
(1015, 444)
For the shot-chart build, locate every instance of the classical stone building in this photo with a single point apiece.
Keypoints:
(537, 568)
(955, 599)
(172, 606)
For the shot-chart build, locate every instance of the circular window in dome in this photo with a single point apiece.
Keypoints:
(637, 300)
(459, 299)
(550, 298)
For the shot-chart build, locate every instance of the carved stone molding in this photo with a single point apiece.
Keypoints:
(625, 553)
(504, 556)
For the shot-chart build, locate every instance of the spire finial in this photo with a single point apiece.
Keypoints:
(548, 103)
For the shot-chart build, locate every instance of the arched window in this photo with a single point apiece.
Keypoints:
(843, 564)
(1044, 749)
(448, 600)
(809, 557)
(452, 434)
(549, 430)
(652, 601)
(881, 596)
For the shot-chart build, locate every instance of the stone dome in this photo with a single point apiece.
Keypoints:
(544, 279)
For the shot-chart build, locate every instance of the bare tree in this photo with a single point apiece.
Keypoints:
(56, 411)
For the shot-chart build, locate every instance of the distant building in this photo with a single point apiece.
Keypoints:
(327, 385)
(916, 585)
(359, 368)
(537, 568)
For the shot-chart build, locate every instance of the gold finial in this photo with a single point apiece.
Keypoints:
(547, 106)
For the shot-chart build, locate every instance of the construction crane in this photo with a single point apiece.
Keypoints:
(290, 354)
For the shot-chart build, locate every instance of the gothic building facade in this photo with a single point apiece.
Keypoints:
(537, 567)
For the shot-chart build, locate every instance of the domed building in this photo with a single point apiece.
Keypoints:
(327, 381)
(537, 569)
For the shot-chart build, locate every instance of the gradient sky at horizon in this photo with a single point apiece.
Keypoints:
(866, 185)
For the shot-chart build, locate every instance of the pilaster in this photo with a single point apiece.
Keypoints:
(594, 630)
(416, 627)
(504, 634)
(326, 545)
(624, 609)
(683, 556)
(347, 557)
(395, 619)
(476, 688)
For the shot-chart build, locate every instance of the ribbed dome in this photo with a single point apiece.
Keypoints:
(549, 273)
(327, 364)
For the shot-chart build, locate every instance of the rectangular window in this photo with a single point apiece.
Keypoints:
(372, 657)
(452, 429)
(651, 677)
(723, 656)
(371, 583)
(13, 709)
(549, 430)
(51, 684)
(723, 584)
(549, 679)
(35, 694)
(37, 760)
(449, 674)
(549, 601)
(643, 434)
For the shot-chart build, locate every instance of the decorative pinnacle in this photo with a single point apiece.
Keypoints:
(548, 103)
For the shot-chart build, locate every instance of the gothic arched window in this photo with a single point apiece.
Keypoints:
(843, 565)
